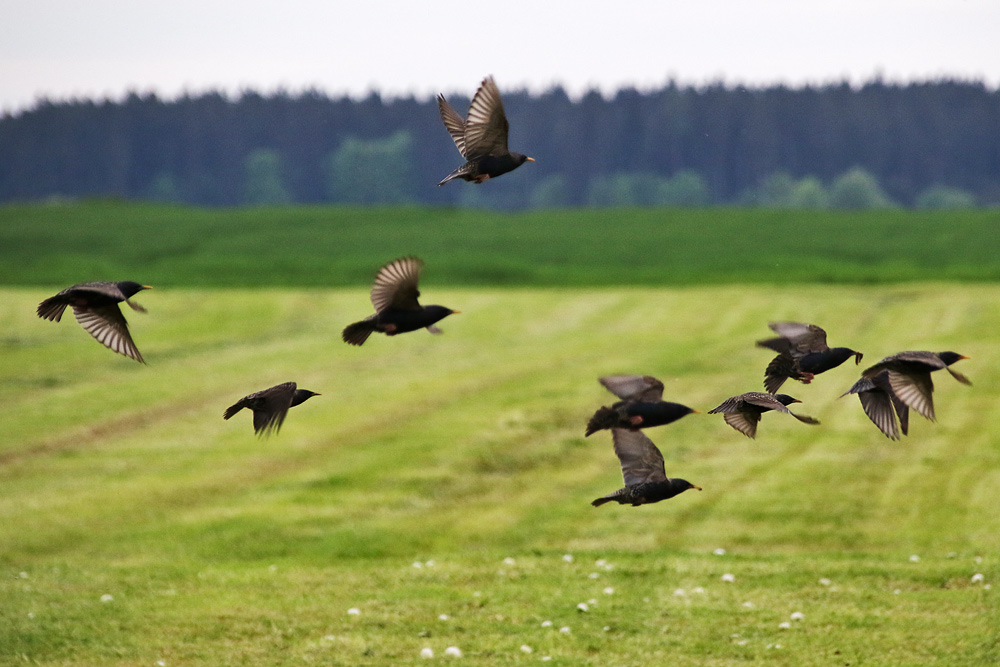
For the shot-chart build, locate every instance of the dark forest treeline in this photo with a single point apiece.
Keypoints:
(682, 145)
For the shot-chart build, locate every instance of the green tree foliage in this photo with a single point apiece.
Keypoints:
(781, 190)
(944, 197)
(856, 189)
(551, 192)
(373, 172)
(264, 182)
(685, 188)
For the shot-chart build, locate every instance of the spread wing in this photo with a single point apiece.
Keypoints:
(744, 422)
(396, 285)
(272, 407)
(486, 126)
(108, 325)
(915, 389)
(453, 123)
(641, 460)
(765, 401)
(639, 387)
(802, 338)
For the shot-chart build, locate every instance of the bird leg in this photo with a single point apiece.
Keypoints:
(635, 420)
(481, 178)
(806, 378)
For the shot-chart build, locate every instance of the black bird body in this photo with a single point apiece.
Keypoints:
(802, 354)
(743, 412)
(901, 381)
(397, 309)
(270, 406)
(95, 306)
(481, 137)
(641, 405)
(643, 471)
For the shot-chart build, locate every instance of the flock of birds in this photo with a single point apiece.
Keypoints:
(887, 390)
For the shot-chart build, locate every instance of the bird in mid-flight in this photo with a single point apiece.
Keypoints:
(481, 138)
(743, 412)
(645, 478)
(802, 354)
(397, 310)
(641, 404)
(95, 306)
(269, 406)
(902, 381)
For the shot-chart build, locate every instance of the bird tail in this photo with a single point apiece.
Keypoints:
(604, 418)
(450, 177)
(780, 369)
(233, 409)
(51, 309)
(358, 333)
(600, 501)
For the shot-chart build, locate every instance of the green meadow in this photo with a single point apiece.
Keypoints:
(437, 494)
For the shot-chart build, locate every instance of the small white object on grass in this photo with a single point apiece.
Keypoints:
(443, 617)
(825, 582)
(353, 611)
(594, 575)
(107, 597)
(453, 651)
(784, 625)
(568, 558)
(679, 592)
(797, 616)
(509, 561)
(698, 589)
(564, 629)
(977, 577)
(728, 578)
(609, 591)
(582, 607)
(546, 624)
(427, 652)
(719, 552)
(914, 558)
(748, 604)
(526, 649)
(417, 564)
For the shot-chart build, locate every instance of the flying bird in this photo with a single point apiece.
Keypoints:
(642, 469)
(481, 138)
(906, 378)
(95, 306)
(642, 404)
(397, 310)
(269, 406)
(881, 404)
(802, 354)
(743, 412)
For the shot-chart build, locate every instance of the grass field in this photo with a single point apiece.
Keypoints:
(338, 247)
(447, 475)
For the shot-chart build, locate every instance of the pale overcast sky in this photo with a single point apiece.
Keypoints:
(96, 48)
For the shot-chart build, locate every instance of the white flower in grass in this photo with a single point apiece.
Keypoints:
(526, 649)
(719, 552)
(609, 591)
(592, 601)
(594, 575)
(453, 651)
(417, 564)
(978, 559)
(987, 587)
(546, 658)
(825, 582)
(430, 563)
(679, 592)
(698, 589)
(728, 578)
(600, 562)
(31, 614)
(564, 629)
(427, 652)
(773, 646)
(353, 611)
(977, 577)
(107, 597)
(161, 663)
(546, 624)
(797, 616)
(583, 607)
(443, 617)
(568, 558)
(477, 594)
(748, 604)
(509, 561)
(784, 625)
(607, 628)
(23, 575)
(914, 558)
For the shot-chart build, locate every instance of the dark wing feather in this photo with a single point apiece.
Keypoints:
(271, 408)
(396, 285)
(764, 401)
(803, 338)
(745, 423)
(108, 325)
(915, 389)
(641, 460)
(453, 123)
(639, 387)
(52, 308)
(486, 126)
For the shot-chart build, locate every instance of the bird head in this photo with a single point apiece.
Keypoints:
(785, 399)
(521, 159)
(951, 357)
(128, 288)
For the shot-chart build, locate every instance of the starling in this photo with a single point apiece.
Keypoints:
(642, 404)
(907, 378)
(397, 310)
(482, 137)
(802, 354)
(269, 406)
(881, 404)
(95, 306)
(743, 412)
(642, 468)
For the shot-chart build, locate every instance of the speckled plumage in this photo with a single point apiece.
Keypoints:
(641, 405)
(743, 412)
(270, 406)
(643, 471)
(802, 354)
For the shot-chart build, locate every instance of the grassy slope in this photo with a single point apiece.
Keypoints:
(330, 247)
(467, 448)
